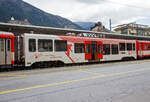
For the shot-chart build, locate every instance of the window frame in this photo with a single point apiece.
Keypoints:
(148, 46)
(134, 47)
(79, 47)
(29, 45)
(123, 49)
(105, 52)
(2, 46)
(43, 41)
(116, 51)
(8, 45)
(128, 48)
(63, 49)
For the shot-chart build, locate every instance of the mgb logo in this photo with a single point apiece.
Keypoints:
(69, 50)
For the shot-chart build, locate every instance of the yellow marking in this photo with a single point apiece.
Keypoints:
(45, 70)
(10, 76)
(51, 84)
(83, 71)
(34, 74)
(73, 81)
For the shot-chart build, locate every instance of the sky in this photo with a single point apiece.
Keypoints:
(119, 11)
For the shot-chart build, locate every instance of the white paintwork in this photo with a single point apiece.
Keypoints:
(30, 57)
(119, 56)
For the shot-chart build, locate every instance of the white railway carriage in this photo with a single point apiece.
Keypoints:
(47, 49)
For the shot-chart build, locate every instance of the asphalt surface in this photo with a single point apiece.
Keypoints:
(109, 82)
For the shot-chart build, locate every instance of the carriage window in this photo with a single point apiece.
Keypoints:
(114, 49)
(8, 45)
(129, 46)
(145, 47)
(79, 48)
(2, 44)
(106, 49)
(45, 45)
(148, 47)
(133, 46)
(99, 48)
(32, 45)
(122, 46)
(60, 45)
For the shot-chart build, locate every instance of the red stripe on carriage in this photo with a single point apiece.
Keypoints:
(69, 50)
(12, 45)
(13, 62)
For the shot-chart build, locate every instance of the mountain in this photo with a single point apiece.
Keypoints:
(21, 10)
(85, 25)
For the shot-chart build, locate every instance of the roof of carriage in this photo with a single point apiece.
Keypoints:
(77, 39)
(6, 35)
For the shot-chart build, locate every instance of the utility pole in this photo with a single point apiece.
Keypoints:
(110, 24)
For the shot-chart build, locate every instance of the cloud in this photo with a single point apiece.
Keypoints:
(90, 1)
(123, 11)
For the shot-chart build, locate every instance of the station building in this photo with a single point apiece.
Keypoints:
(133, 29)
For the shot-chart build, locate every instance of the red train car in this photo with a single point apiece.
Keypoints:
(6, 49)
(143, 49)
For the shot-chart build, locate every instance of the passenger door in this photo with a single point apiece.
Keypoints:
(8, 51)
(88, 55)
(2, 52)
(100, 49)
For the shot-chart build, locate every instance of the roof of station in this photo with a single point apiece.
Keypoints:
(19, 29)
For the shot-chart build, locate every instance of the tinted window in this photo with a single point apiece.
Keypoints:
(99, 48)
(148, 47)
(106, 49)
(122, 46)
(133, 46)
(2, 44)
(88, 48)
(45, 45)
(79, 48)
(129, 46)
(114, 49)
(60, 45)
(32, 45)
(145, 47)
(8, 45)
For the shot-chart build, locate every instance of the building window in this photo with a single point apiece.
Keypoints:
(129, 46)
(79, 48)
(45, 45)
(124, 31)
(114, 49)
(122, 46)
(140, 32)
(32, 45)
(106, 49)
(60, 45)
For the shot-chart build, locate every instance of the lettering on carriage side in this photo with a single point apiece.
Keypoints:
(36, 56)
(68, 52)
